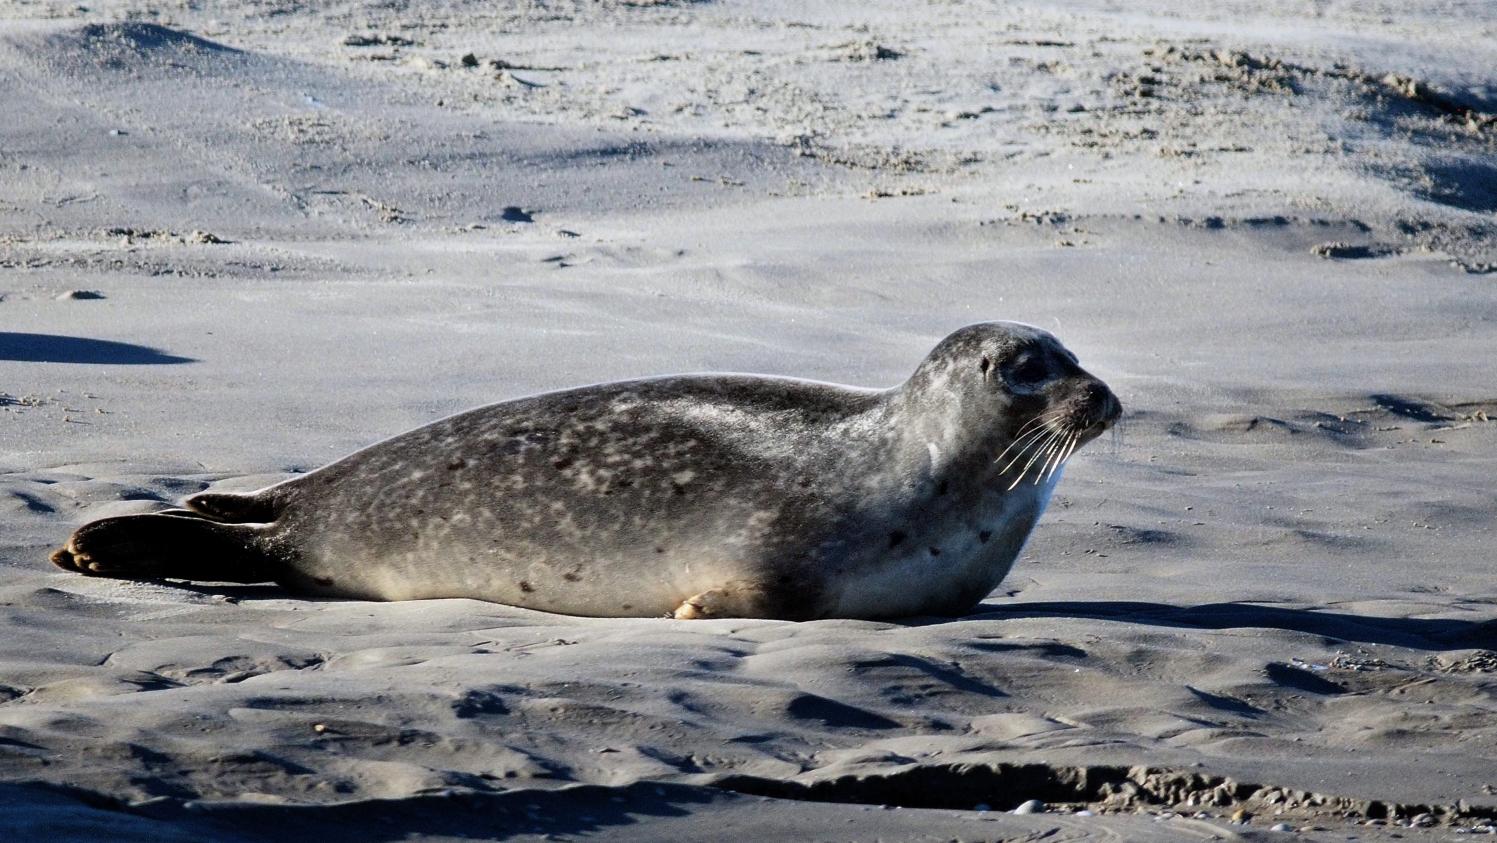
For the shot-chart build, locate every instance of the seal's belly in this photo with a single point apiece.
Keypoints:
(574, 578)
(951, 566)
(919, 583)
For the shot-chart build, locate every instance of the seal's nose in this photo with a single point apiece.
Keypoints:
(1106, 407)
(1112, 410)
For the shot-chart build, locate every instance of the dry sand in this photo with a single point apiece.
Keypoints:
(239, 240)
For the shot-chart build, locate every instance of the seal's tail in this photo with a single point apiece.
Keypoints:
(177, 545)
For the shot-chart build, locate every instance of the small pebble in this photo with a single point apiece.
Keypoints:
(80, 295)
(1281, 827)
(1033, 806)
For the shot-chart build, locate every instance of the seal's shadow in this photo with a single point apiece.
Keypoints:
(1414, 633)
(246, 593)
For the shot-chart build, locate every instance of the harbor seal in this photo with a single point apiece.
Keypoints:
(692, 496)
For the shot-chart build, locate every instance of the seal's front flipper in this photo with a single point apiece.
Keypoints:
(166, 545)
(737, 599)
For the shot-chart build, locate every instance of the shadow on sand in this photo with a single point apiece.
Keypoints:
(1415, 633)
(51, 348)
(51, 812)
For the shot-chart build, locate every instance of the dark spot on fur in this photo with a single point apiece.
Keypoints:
(935, 551)
(895, 538)
(624, 484)
(628, 606)
(562, 464)
(680, 490)
(986, 366)
(457, 464)
(571, 576)
(659, 550)
(526, 587)
(323, 581)
(984, 536)
(943, 488)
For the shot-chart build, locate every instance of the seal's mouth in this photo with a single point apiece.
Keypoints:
(1044, 443)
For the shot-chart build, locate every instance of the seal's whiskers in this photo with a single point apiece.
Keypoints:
(1032, 439)
(1069, 449)
(1056, 446)
(1055, 433)
(1031, 436)
(1042, 417)
(1062, 454)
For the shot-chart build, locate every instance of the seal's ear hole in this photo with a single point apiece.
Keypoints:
(986, 366)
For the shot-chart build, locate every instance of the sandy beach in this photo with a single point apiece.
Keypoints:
(240, 240)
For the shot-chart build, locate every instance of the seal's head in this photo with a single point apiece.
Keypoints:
(1021, 394)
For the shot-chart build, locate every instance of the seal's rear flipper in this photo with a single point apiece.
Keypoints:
(166, 545)
(254, 508)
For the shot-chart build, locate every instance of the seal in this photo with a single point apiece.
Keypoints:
(693, 496)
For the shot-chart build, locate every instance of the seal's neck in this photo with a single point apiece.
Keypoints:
(938, 430)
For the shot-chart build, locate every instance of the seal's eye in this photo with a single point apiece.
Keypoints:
(1028, 370)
